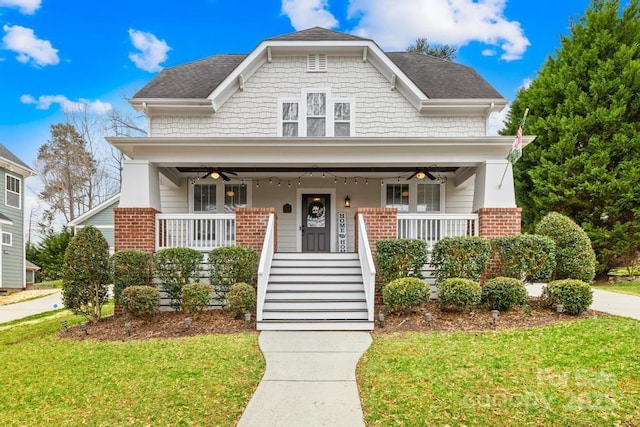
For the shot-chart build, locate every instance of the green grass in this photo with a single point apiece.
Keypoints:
(571, 374)
(631, 288)
(204, 380)
(624, 271)
(49, 284)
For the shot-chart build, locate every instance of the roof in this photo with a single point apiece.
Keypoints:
(28, 265)
(95, 210)
(5, 219)
(8, 155)
(316, 34)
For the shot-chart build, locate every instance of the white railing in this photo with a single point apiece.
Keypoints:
(433, 227)
(202, 232)
(367, 265)
(264, 268)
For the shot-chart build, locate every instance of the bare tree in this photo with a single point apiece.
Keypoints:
(422, 47)
(122, 124)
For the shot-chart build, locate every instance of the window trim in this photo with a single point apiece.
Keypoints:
(220, 194)
(6, 233)
(330, 102)
(413, 195)
(6, 191)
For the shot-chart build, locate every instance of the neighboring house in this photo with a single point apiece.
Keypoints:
(30, 274)
(100, 217)
(309, 149)
(13, 173)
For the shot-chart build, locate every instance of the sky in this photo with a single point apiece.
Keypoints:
(56, 55)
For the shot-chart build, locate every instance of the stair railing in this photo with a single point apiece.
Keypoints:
(367, 265)
(264, 268)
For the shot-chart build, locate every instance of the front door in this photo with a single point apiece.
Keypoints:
(316, 227)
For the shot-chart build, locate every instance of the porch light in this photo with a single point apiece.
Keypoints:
(347, 202)
(215, 175)
(421, 175)
(231, 193)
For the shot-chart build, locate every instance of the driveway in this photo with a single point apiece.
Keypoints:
(28, 308)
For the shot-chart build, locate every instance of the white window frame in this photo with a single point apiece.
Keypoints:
(413, 194)
(220, 193)
(330, 102)
(10, 235)
(7, 191)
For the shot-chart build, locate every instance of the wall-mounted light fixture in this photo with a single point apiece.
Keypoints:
(347, 202)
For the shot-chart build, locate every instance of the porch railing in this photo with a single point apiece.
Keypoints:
(367, 265)
(433, 227)
(264, 268)
(202, 232)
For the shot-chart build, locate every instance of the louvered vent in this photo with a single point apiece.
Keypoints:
(317, 62)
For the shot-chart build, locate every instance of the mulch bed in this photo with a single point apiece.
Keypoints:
(172, 325)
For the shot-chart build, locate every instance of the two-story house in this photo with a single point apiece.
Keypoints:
(310, 148)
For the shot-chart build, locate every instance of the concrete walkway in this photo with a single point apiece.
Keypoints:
(310, 380)
(608, 302)
(28, 308)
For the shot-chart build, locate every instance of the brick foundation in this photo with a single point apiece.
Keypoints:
(135, 228)
(251, 226)
(499, 222)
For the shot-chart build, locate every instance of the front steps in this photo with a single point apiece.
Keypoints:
(315, 291)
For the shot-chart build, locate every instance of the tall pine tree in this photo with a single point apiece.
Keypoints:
(584, 107)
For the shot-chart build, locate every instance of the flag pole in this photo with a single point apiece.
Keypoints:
(521, 128)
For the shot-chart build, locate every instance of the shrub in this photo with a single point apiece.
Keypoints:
(575, 295)
(241, 299)
(232, 264)
(398, 258)
(140, 301)
(130, 268)
(504, 293)
(528, 257)
(575, 258)
(86, 273)
(456, 294)
(196, 296)
(406, 293)
(175, 267)
(460, 257)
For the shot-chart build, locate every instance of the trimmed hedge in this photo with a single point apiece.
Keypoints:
(575, 295)
(397, 258)
(232, 264)
(457, 294)
(196, 296)
(175, 267)
(140, 301)
(241, 299)
(404, 294)
(460, 257)
(130, 268)
(575, 258)
(527, 257)
(504, 293)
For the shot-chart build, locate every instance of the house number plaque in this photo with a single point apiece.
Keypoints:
(342, 232)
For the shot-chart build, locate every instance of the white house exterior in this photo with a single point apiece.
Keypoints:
(268, 149)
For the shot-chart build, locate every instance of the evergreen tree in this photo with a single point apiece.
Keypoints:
(585, 110)
(422, 47)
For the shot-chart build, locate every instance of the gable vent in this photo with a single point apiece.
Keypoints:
(317, 62)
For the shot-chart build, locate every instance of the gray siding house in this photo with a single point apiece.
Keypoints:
(100, 217)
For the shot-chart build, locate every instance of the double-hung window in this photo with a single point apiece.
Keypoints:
(12, 191)
(7, 239)
(316, 114)
(414, 197)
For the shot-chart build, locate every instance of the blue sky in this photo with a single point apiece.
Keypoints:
(54, 54)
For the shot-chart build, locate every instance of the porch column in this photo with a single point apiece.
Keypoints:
(382, 223)
(251, 227)
(494, 200)
(135, 217)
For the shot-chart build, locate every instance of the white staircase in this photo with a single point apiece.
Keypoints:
(311, 291)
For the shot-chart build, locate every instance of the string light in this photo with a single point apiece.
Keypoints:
(355, 181)
(322, 175)
(345, 181)
(257, 184)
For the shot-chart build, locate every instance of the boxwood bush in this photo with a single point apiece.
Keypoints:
(140, 301)
(504, 293)
(398, 258)
(232, 264)
(404, 294)
(528, 257)
(575, 295)
(196, 296)
(175, 267)
(461, 257)
(575, 258)
(130, 268)
(457, 294)
(241, 299)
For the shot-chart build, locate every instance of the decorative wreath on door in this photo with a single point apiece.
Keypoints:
(315, 209)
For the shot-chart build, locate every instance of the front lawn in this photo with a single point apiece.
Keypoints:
(201, 380)
(631, 288)
(580, 373)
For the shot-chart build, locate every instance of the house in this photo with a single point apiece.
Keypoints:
(30, 274)
(309, 149)
(13, 173)
(101, 217)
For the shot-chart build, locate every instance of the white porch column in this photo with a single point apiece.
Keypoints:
(140, 185)
(488, 193)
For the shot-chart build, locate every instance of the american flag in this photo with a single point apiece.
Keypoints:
(516, 148)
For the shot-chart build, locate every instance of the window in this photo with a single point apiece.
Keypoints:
(289, 119)
(341, 119)
(12, 193)
(7, 239)
(317, 62)
(235, 196)
(414, 197)
(204, 198)
(316, 114)
(398, 197)
(428, 198)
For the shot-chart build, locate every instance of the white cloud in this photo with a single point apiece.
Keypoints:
(45, 101)
(497, 120)
(526, 83)
(489, 52)
(152, 51)
(396, 24)
(309, 13)
(27, 7)
(24, 42)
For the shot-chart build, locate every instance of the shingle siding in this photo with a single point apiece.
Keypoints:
(12, 256)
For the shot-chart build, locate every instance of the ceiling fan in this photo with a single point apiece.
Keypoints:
(218, 173)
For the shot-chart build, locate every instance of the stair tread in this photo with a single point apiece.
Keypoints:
(313, 310)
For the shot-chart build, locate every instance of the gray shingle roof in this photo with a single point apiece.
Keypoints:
(439, 78)
(4, 152)
(316, 34)
(3, 217)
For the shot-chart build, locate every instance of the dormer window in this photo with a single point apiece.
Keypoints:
(316, 114)
(317, 62)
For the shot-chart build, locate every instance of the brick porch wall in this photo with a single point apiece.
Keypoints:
(382, 223)
(499, 222)
(251, 227)
(135, 228)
